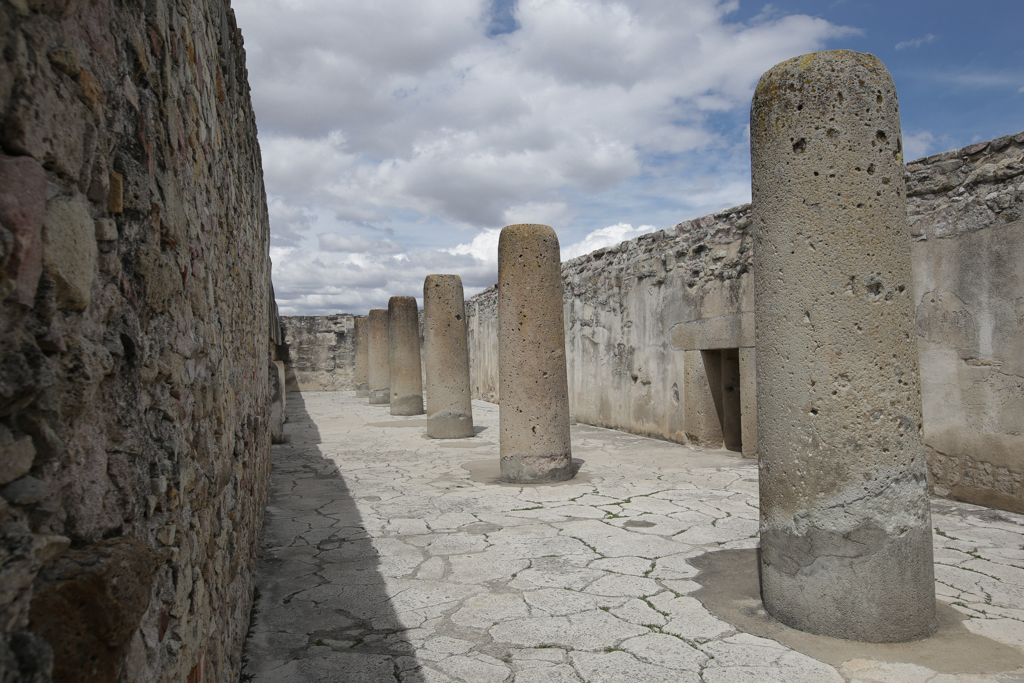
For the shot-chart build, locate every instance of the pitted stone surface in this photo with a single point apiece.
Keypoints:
(360, 374)
(449, 401)
(404, 356)
(533, 384)
(846, 539)
(383, 561)
(378, 368)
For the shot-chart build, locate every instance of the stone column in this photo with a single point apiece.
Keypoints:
(846, 544)
(378, 367)
(404, 344)
(449, 404)
(532, 382)
(362, 342)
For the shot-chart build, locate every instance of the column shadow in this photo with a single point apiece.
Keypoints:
(322, 611)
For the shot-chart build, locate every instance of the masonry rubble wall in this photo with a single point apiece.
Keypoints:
(321, 352)
(134, 286)
(648, 322)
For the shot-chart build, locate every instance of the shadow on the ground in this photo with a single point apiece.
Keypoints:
(731, 590)
(323, 613)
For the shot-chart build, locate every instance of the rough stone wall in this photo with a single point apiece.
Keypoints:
(134, 449)
(644, 318)
(321, 353)
(966, 210)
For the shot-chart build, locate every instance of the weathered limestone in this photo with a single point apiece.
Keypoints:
(845, 523)
(449, 403)
(362, 343)
(404, 356)
(532, 379)
(378, 365)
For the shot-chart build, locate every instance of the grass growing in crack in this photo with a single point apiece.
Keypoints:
(942, 533)
(320, 642)
(606, 608)
(358, 642)
(535, 507)
(612, 648)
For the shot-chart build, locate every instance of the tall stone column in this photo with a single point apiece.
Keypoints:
(361, 337)
(378, 366)
(449, 402)
(404, 344)
(846, 544)
(532, 381)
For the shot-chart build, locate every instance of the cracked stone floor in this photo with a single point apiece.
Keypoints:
(383, 560)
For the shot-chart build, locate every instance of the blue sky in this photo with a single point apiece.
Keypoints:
(399, 136)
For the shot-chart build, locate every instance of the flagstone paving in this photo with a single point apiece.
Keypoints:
(384, 559)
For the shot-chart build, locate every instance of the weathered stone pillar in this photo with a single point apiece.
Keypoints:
(378, 366)
(404, 344)
(449, 401)
(361, 335)
(532, 382)
(846, 546)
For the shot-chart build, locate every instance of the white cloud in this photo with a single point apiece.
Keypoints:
(916, 42)
(918, 145)
(375, 116)
(605, 237)
(331, 241)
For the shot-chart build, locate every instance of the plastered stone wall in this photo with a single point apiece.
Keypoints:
(644, 319)
(966, 214)
(320, 352)
(134, 338)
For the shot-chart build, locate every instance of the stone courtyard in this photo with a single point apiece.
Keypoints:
(387, 556)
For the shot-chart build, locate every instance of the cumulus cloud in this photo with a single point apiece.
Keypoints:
(477, 113)
(915, 43)
(918, 145)
(330, 241)
(605, 237)
(353, 274)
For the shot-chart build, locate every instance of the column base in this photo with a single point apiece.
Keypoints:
(449, 425)
(859, 585)
(407, 405)
(537, 469)
(380, 397)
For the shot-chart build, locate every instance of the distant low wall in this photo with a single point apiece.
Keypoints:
(321, 353)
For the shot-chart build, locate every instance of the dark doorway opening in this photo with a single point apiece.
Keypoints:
(722, 367)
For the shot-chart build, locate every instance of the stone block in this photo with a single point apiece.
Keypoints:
(22, 207)
(70, 252)
(16, 456)
(106, 230)
(87, 605)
